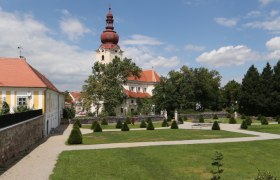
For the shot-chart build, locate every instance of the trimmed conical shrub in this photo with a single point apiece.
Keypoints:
(180, 119)
(174, 125)
(97, 128)
(150, 126)
(215, 116)
(244, 125)
(125, 127)
(78, 122)
(216, 126)
(128, 120)
(93, 124)
(201, 119)
(164, 123)
(5, 108)
(248, 121)
(278, 119)
(143, 124)
(75, 137)
(232, 120)
(119, 124)
(148, 120)
(264, 121)
(104, 121)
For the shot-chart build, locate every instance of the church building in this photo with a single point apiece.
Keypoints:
(135, 87)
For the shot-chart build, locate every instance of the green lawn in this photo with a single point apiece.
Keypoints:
(241, 161)
(271, 128)
(156, 135)
(113, 125)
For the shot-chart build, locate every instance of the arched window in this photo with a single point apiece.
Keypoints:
(102, 58)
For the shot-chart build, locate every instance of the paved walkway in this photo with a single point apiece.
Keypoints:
(38, 164)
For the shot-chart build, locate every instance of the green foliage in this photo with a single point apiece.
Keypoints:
(22, 109)
(248, 120)
(104, 121)
(144, 105)
(125, 127)
(278, 119)
(68, 113)
(106, 83)
(264, 175)
(215, 116)
(180, 119)
(201, 119)
(128, 120)
(232, 120)
(119, 124)
(164, 123)
(243, 116)
(75, 136)
(217, 166)
(93, 124)
(148, 120)
(264, 121)
(143, 124)
(229, 115)
(97, 128)
(5, 108)
(150, 126)
(259, 117)
(174, 125)
(243, 125)
(231, 93)
(169, 119)
(216, 126)
(78, 123)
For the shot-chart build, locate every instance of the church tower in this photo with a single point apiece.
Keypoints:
(109, 49)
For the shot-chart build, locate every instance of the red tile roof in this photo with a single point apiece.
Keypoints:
(76, 95)
(146, 76)
(16, 72)
(137, 94)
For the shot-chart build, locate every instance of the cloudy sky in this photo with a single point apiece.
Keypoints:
(59, 37)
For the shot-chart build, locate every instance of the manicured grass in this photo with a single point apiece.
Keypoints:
(113, 125)
(241, 161)
(155, 135)
(271, 128)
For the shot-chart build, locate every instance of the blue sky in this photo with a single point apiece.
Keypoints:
(59, 37)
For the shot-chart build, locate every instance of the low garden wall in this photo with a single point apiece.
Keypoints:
(205, 115)
(17, 138)
(114, 119)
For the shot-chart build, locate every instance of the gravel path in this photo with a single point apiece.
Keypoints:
(39, 163)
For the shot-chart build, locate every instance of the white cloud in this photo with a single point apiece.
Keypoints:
(171, 48)
(253, 14)
(191, 47)
(273, 13)
(72, 26)
(138, 39)
(228, 22)
(65, 65)
(273, 45)
(270, 25)
(265, 2)
(228, 56)
(146, 59)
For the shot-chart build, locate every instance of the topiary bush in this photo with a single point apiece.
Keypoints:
(248, 121)
(119, 124)
(128, 120)
(169, 119)
(174, 125)
(78, 123)
(164, 123)
(5, 108)
(278, 119)
(264, 121)
(216, 126)
(215, 116)
(180, 119)
(143, 124)
(150, 126)
(125, 127)
(75, 136)
(243, 125)
(232, 120)
(97, 128)
(201, 119)
(104, 121)
(148, 120)
(93, 124)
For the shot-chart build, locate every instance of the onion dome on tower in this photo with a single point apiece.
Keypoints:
(109, 37)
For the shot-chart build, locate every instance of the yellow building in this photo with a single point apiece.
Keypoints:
(22, 85)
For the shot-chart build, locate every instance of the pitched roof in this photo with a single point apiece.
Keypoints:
(146, 76)
(132, 94)
(16, 72)
(76, 95)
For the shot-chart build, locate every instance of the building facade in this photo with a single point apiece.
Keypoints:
(22, 85)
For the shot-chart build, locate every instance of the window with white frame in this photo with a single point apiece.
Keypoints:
(21, 101)
(144, 90)
(138, 89)
(132, 88)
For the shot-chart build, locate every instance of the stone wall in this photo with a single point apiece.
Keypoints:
(206, 115)
(18, 137)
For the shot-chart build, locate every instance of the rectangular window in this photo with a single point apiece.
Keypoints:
(132, 88)
(132, 101)
(144, 90)
(21, 101)
(138, 89)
